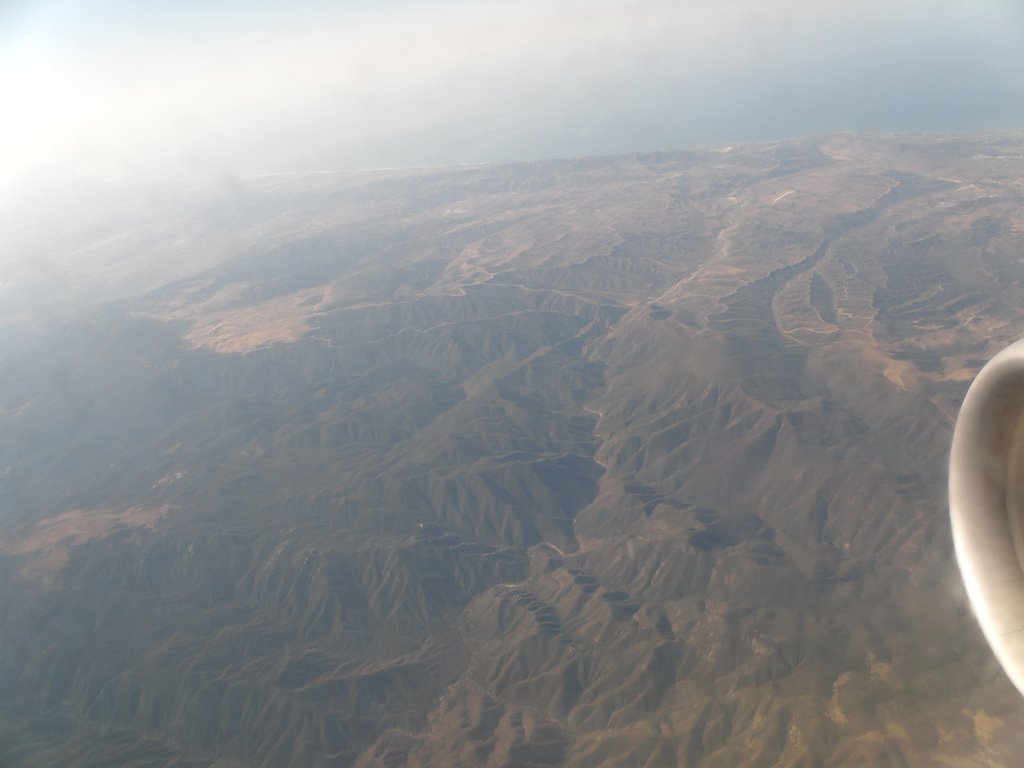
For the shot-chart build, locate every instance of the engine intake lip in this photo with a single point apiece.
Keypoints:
(986, 502)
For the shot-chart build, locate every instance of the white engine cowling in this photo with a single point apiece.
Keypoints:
(986, 504)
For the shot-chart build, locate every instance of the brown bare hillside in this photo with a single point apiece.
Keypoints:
(625, 461)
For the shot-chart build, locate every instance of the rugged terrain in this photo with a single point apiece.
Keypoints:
(626, 461)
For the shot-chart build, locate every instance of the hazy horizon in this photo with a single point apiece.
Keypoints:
(116, 92)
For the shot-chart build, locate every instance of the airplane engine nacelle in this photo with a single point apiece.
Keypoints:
(986, 504)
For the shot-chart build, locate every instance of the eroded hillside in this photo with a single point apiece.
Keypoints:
(618, 461)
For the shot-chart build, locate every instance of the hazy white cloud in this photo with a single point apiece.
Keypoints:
(130, 90)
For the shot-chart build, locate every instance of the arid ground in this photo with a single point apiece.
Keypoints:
(619, 461)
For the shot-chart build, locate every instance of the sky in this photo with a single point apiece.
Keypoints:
(126, 91)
